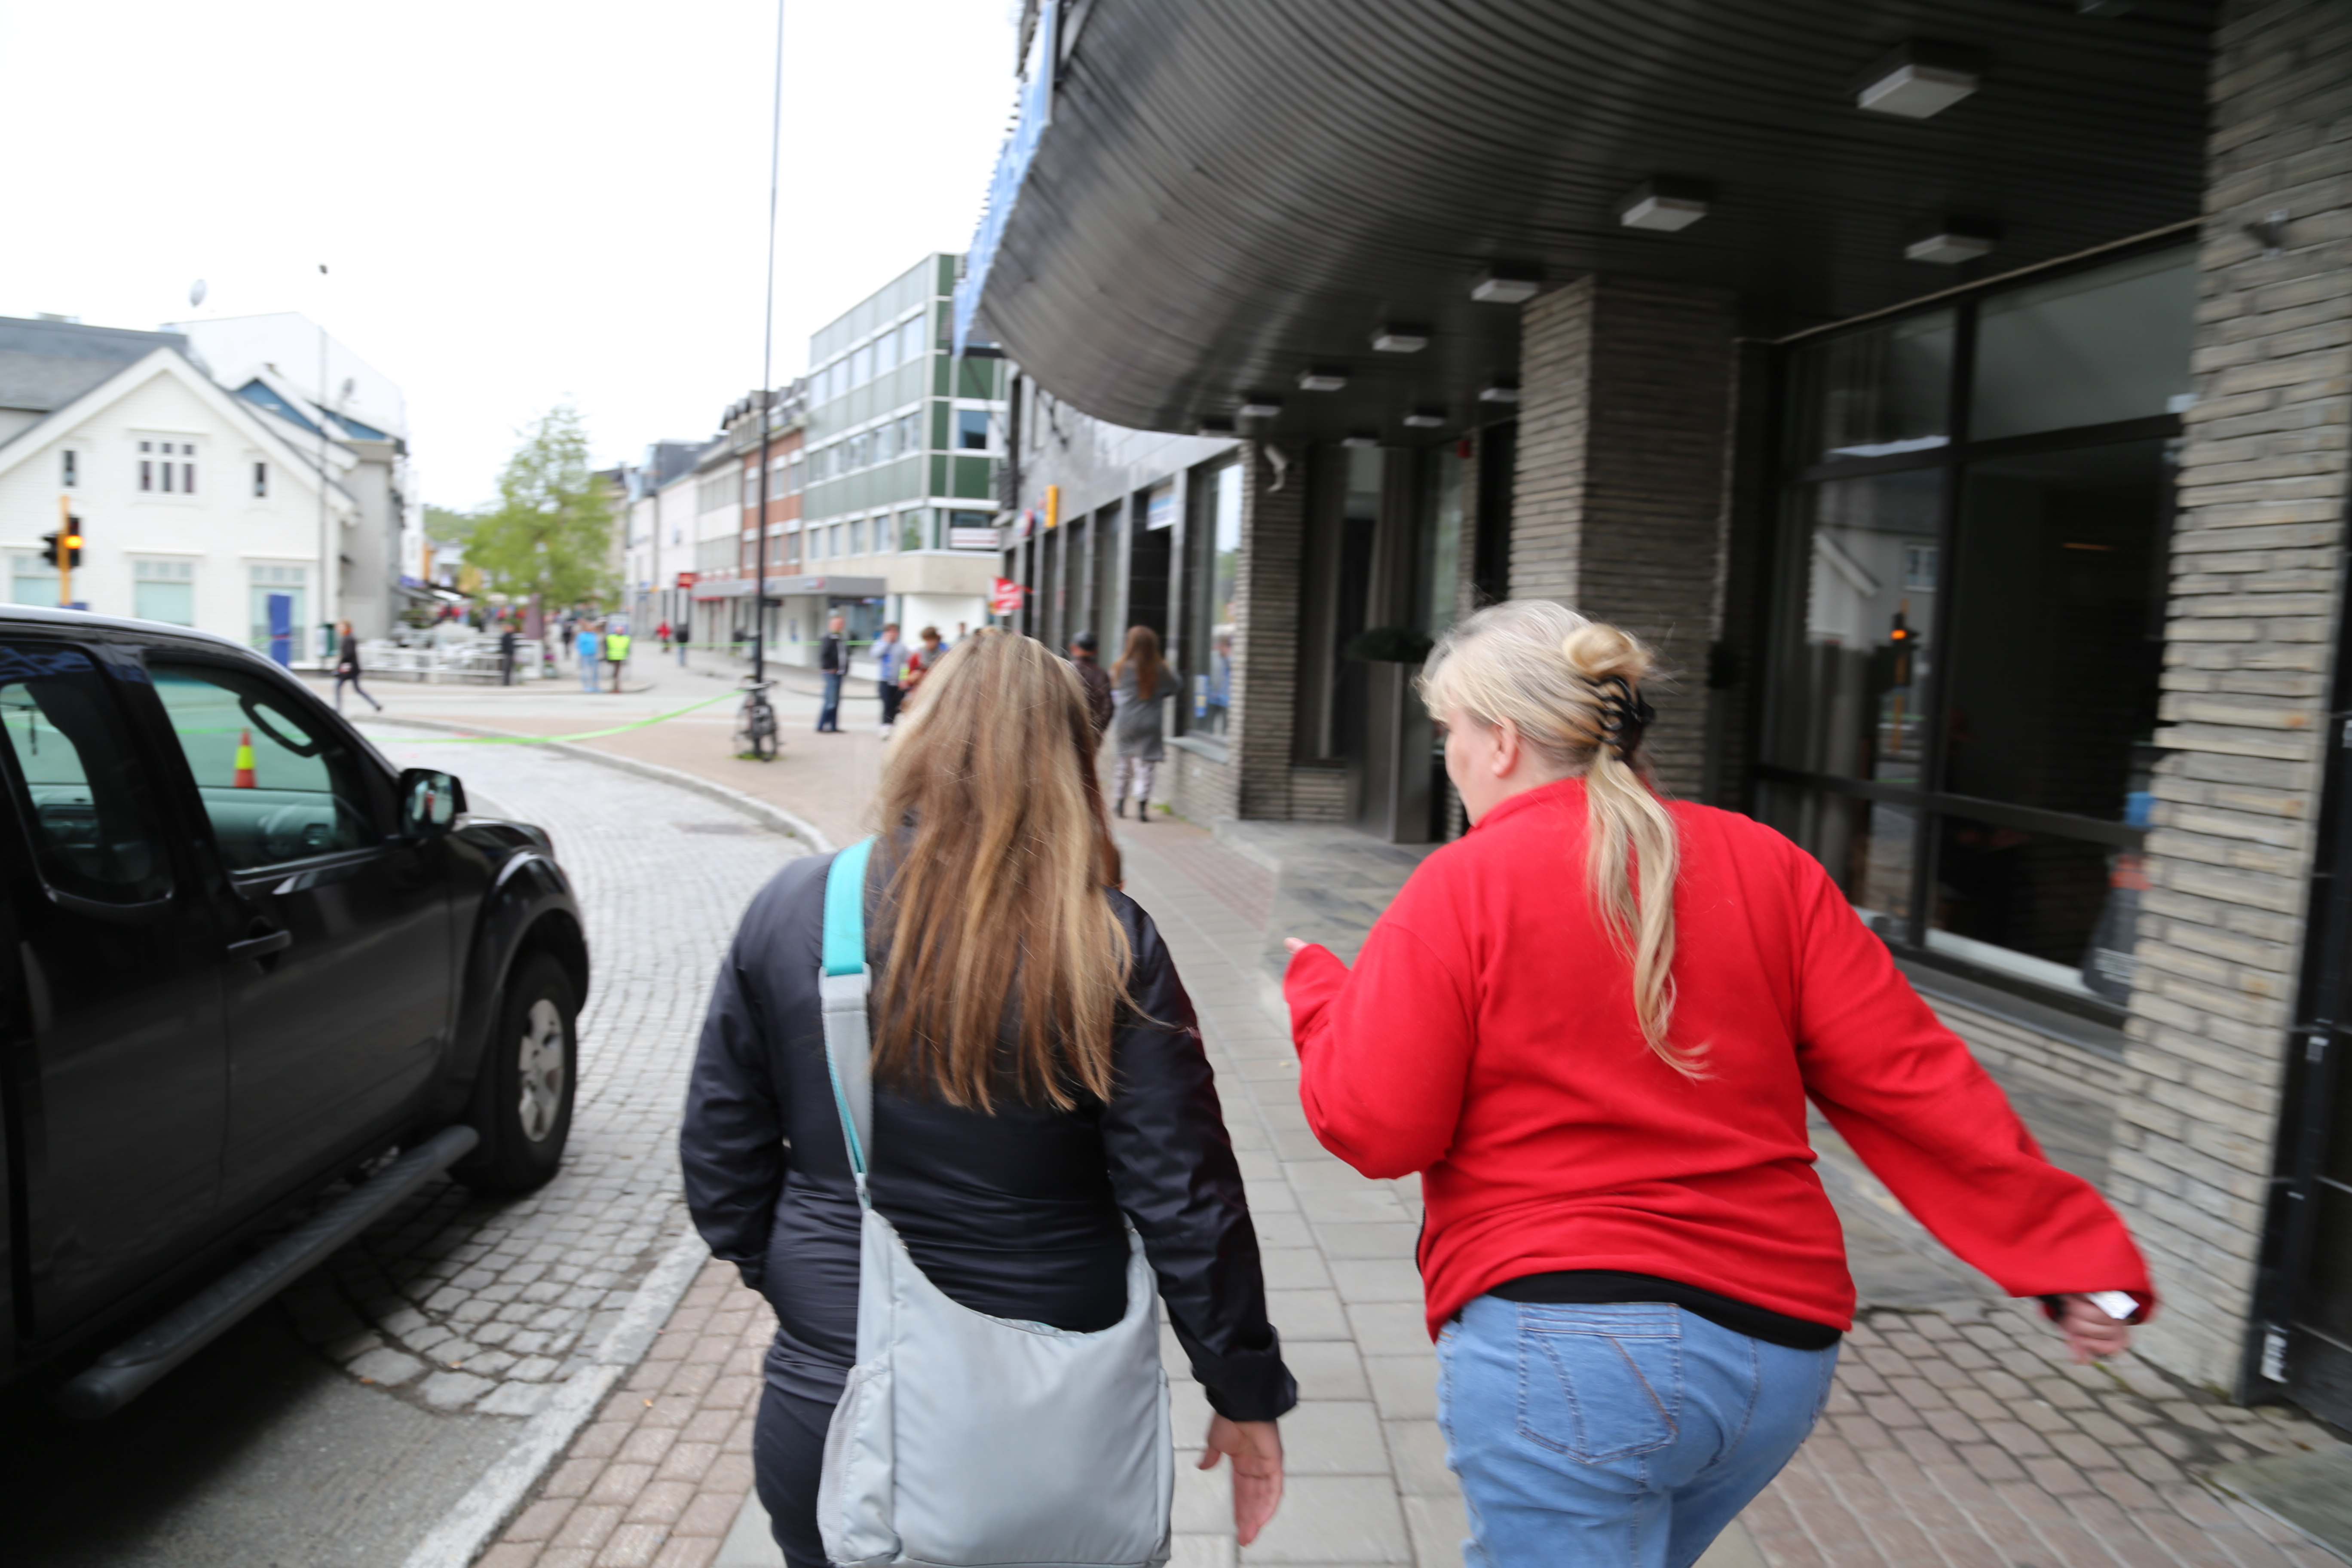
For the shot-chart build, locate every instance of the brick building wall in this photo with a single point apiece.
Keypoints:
(1625, 404)
(2256, 596)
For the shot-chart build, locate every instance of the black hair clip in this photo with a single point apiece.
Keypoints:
(1623, 714)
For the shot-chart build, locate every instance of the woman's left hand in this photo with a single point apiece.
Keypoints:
(1297, 945)
(2090, 1334)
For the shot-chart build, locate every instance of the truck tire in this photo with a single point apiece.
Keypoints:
(523, 1110)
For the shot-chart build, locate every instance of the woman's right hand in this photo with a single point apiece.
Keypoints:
(1255, 1449)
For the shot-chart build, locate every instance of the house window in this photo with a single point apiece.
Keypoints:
(260, 478)
(972, 429)
(69, 468)
(1214, 540)
(1981, 812)
(164, 591)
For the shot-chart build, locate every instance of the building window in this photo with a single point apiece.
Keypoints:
(792, 474)
(164, 591)
(972, 429)
(280, 619)
(32, 581)
(260, 478)
(857, 537)
(69, 468)
(1214, 542)
(1971, 752)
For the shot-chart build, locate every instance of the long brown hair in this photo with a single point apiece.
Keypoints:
(1540, 667)
(1142, 651)
(996, 855)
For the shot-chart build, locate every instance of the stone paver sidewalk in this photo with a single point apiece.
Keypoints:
(1956, 1434)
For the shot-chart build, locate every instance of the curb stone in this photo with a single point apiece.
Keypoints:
(478, 1517)
(760, 811)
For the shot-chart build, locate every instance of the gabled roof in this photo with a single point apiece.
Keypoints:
(43, 365)
(168, 360)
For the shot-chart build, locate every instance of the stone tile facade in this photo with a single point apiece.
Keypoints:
(2254, 604)
(1618, 511)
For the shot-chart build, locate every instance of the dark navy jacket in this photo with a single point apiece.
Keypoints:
(1015, 1214)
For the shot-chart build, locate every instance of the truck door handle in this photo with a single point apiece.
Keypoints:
(260, 947)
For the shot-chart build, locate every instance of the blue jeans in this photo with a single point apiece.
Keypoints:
(828, 717)
(587, 675)
(1624, 1435)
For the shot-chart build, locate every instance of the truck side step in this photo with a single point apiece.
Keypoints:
(127, 1371)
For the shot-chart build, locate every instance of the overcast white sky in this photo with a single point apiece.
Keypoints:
(519, 202)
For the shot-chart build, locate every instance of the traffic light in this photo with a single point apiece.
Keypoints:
(49, 547)
(71, 543)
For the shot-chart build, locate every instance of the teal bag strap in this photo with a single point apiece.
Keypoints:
(843, 984)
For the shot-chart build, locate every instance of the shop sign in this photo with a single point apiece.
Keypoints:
(1005, 595)
(975, 538)
(685, 579)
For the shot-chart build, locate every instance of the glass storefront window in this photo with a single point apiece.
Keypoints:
(1441, 540)
(2019, 903)
(1874, 393)
(1966, 638)
(1863, 579)
(1208, 653)
(2090, 348)
(2058, 631)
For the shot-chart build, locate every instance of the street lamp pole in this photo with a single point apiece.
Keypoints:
(767, 366)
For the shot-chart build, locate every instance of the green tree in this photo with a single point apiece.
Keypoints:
(550, 533)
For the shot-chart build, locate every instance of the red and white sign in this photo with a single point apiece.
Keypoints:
(975, 539)
(1005, 595)
(685, 579)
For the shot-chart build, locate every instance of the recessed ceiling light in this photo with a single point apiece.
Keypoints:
(1398, 339)
(1216, 427)
(1260, 408)
(1664, 206)
(1917, 81)
(1949, 244)
(1319, 379)
(1425, 418)
(1506, 286)
(1499, 391)
(1359, 438)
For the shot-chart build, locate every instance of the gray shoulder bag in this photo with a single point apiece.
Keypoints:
(964, 1440)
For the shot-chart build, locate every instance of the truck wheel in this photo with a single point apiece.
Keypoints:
(524, 1112)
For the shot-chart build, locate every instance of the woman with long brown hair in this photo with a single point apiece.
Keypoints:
(1140, 682)
(1037, 1076)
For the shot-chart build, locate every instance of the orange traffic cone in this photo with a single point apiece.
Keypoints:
(245, 779)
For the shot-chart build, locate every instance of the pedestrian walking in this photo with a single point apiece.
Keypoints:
(921, 659)
(588, 645)
(832, 662)
(1592, 1025)
(1141, 684)
(347, 666)
(1038, 1089)
(662, 633)
(889, 655)
(616, 651)
(1100, 703)
(508, 642)
(684, 639)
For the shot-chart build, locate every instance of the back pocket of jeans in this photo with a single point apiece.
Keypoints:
(1600, 1382)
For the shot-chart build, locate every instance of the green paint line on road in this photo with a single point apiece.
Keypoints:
(546, 740)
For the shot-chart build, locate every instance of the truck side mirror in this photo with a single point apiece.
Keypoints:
(430, 802)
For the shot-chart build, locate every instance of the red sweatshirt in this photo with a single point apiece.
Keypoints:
(1486, 1039)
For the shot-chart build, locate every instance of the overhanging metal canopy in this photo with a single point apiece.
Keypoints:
(1230, 192)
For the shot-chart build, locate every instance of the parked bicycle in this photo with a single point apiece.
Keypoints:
(755, 724)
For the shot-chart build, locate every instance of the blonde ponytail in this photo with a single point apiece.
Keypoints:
(1569, 686)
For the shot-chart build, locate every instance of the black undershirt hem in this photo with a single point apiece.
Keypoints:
(1603, 1287)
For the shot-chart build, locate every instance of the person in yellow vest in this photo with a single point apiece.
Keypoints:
(616, 651)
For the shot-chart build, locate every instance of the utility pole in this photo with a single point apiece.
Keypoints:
(68, 551)
(323, 608)
(767, 367)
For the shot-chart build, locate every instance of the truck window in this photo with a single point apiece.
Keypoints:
(276, 786)
(85, 802)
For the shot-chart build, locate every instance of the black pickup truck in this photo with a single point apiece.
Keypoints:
(241, 957)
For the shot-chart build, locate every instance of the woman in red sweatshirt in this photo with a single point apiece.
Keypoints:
(1592, 1024)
